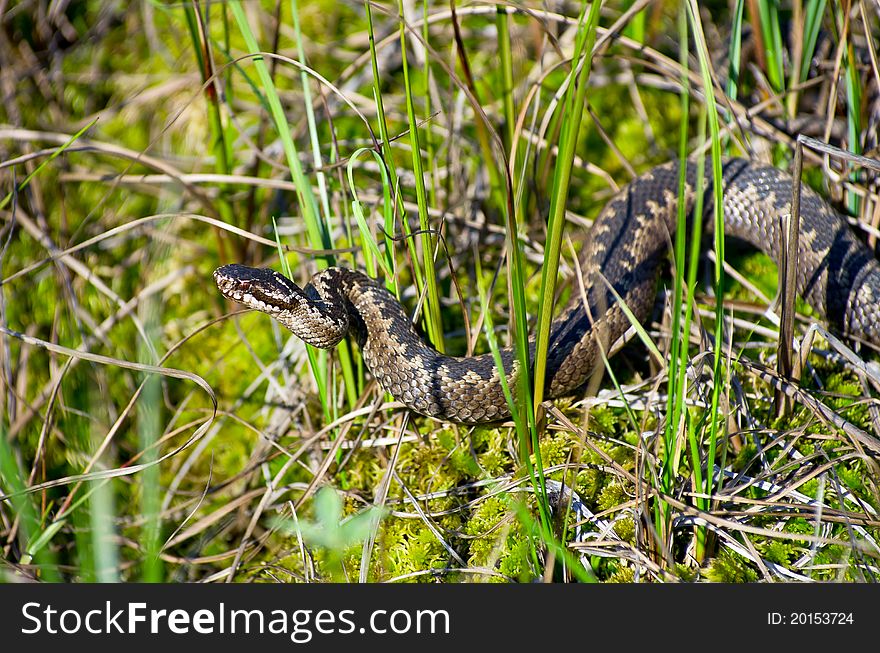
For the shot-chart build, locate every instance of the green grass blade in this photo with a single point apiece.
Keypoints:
(677, 368)
(310, 113)
(735, 51)
(433, 321)
(319, 235)
(43, 164)
(31, 534)
(505, 57)
(718, 219)
(853, 116)
(813, 13)
(635, 28)
(573, 107)
(387, 162)
(769, 15)
(372, 247)
(149, 431)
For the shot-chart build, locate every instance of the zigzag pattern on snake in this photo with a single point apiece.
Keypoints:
(837, 275)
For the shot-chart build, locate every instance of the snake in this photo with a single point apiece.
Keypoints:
(620, 264)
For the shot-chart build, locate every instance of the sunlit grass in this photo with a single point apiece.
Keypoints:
(438, 154)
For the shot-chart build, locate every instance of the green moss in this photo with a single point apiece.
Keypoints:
(853, 478)
(499, 540)
(555, 449)
(622, 575)
(746, 453)
(778, 551)
(612, 496)
(730, 567)
(123, 76)
(590, 483)
(515, 564)
(626, 530)
(799, 525)
(687, 573)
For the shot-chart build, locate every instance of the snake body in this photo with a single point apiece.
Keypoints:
(837, 275)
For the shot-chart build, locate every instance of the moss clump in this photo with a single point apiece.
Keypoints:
(590, 483)
(846, 392)
(412, 547)
(622, 575)
(626, 529)
(778, 551)
(555, 449)
(687, 573)
(612, 495)
(498, 540)
(730, 567)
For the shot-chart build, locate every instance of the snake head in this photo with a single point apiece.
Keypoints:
(304, 312)
(259, 288)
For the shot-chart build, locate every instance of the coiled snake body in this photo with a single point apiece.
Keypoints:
(837, 275)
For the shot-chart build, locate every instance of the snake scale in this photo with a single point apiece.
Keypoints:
(837, 275)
